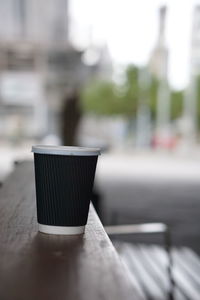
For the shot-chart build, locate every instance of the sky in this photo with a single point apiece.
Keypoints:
(130, 28)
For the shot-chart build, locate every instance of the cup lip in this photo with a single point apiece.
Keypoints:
(65, 150)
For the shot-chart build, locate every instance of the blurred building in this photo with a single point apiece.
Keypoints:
(191, 96)
(38, 65)
(158, 63)
(195, 43)
(105, 65)
(99, 59)
(158, 66)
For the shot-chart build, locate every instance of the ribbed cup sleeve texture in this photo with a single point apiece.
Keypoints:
(63, 188)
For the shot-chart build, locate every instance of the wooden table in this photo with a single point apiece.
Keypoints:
(35, 266)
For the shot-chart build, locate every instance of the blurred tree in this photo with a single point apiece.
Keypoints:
(98, 97)
(108, 98)
(129, 101)
(153, 94)
(176, 104)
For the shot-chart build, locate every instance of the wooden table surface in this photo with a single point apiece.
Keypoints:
(35, 266)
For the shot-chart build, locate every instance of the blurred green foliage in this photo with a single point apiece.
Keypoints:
(153, 93)
(98, 97)
(109, 98)
(176, 104)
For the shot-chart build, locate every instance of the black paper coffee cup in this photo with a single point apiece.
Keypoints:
(64, 178)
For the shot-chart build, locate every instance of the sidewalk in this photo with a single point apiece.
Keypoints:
(149, 165)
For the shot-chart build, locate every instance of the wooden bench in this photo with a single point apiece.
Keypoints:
(35, 266)
(147, 265)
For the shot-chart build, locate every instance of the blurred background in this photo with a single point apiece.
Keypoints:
(121, 75)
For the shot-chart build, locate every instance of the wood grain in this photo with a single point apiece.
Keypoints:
(35, 266)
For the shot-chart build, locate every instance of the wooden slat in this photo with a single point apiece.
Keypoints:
(192, 275)
(134, 279)
(136, 270)
(149, 264)
(180, 278)
(132, 275)
(151, 288)
(192, 258)
(154, 268)
(163, 264)
(38, 266)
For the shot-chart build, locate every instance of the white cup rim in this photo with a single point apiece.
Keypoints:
(65, 150)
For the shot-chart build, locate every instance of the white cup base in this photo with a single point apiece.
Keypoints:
(61, 230)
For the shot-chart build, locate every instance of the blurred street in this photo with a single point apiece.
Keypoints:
(148, 188)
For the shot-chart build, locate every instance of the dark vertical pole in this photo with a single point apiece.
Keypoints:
(167, 238)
